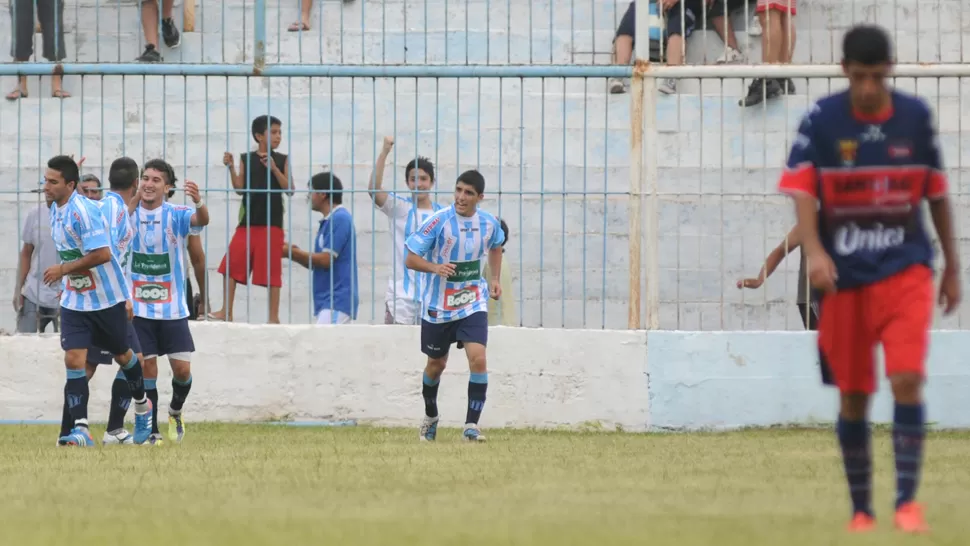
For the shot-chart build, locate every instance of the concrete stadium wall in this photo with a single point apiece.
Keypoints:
(717, 163)
(545, 378)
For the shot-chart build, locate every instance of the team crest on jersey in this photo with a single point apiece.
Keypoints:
(847, 151)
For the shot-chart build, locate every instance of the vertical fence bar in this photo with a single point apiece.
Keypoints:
(259, 34)
(637, 100)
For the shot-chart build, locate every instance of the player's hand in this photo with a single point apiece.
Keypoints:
(129, 309)
(821, 271)
(750, 283)
(227, 159)
(287, 249)
(950, 291)
(18, 302)
(192, 190)
(444, 270)
(495, 289)
(53, 274)
(81, 162)
(388, 144)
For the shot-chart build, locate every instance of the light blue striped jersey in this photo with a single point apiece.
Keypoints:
(120, 228)
(158, 267)
(403, 218)
(447, 237)
(79, 228)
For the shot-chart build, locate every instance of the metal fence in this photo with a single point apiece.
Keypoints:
(626, 211)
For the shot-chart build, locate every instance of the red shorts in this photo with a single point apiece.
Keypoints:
(784, 6)
(264, 268)
(896, 311)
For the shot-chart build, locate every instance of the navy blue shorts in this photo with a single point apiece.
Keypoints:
(164, 337)
(436, 339)
(107, 329)
(97, 355)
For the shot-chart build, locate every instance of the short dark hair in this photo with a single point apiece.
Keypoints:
(328, 182)
(261, 123)
(65, 165)
(866, 44)
(123, 173)
(422, 163)
(505, 231)
(163, 167)
(474, 179)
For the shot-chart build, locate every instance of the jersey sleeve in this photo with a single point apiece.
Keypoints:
(337, 235)
(183, 221)
(801, 169)
(395, 206)
(423, 238)
(31, 232)
(937, 184)
(90, 223)
(498, 236)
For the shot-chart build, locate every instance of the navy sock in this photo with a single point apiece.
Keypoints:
(152, 393)
(120, 401)
(429, 390)
(908, 435)
(67, 423)
(477, 385)
(857, 458)
(180, 391)
(76, 391)
(133, 374)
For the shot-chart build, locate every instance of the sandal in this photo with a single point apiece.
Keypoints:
(17, 93)
(60, 94)
(298, 26)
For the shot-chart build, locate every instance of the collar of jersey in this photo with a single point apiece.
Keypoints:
(333, 210)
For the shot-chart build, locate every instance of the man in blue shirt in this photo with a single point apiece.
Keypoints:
(334, 257)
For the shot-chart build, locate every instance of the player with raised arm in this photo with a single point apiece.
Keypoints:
(860, 167)
(94, 298)
(158, 272)
(402, 302)
(450, 246)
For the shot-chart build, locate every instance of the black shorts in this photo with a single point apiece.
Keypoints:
(674, 23)
(810, 316)
(164, 337)
(106, 328)
(436, 339)
(97, 355)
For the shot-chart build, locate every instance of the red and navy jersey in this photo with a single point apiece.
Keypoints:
(870, 175)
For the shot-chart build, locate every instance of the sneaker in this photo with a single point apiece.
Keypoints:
(761, 90)
(117, 437)
(472, 434)
(617, 86)
(862, 523)
(667, 86)
(151, 55)
(909, 518)
(154, 440)
(731, 56)
(429, 429)
(143, 423)
(176, 429)
(754, 27)
(787, 86)
(79, 436)
(170, 34)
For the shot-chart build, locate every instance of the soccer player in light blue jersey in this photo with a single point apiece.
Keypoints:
(158, 272)
(95, 292)
(450, 246)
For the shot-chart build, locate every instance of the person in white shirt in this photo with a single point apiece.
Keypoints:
(35, 302)
(402, 302)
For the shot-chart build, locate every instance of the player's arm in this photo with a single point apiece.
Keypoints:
(495, 255)
(197, 259)
(419, 243)
(287, 182)
(201, 216)
(377, 178)
(774, 259)
(316, 260)
(939, 202)
(336, 239)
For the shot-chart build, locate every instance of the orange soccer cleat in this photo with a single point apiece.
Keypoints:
(909, 518)
(862, 523)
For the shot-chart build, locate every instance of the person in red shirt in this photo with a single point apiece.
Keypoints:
(860, 167)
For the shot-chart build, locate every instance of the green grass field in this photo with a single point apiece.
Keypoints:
(263, 484)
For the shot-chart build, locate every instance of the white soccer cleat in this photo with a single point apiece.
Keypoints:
(429, 429)
(472, 433)
(117, 437)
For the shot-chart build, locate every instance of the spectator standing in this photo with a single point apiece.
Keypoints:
(50, 14)
(35, 302)
(402, 302)
(777, 47)
(333, 261)
(261, 179)
(306, 7)
(149, 23)
(90, 187)
(501, 312)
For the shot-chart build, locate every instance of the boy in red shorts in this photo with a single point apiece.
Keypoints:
(257, 245)
(861, 165)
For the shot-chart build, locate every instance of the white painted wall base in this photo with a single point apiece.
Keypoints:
(538, 378)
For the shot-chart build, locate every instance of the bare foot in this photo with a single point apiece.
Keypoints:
(218, 315)
(18, 93)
